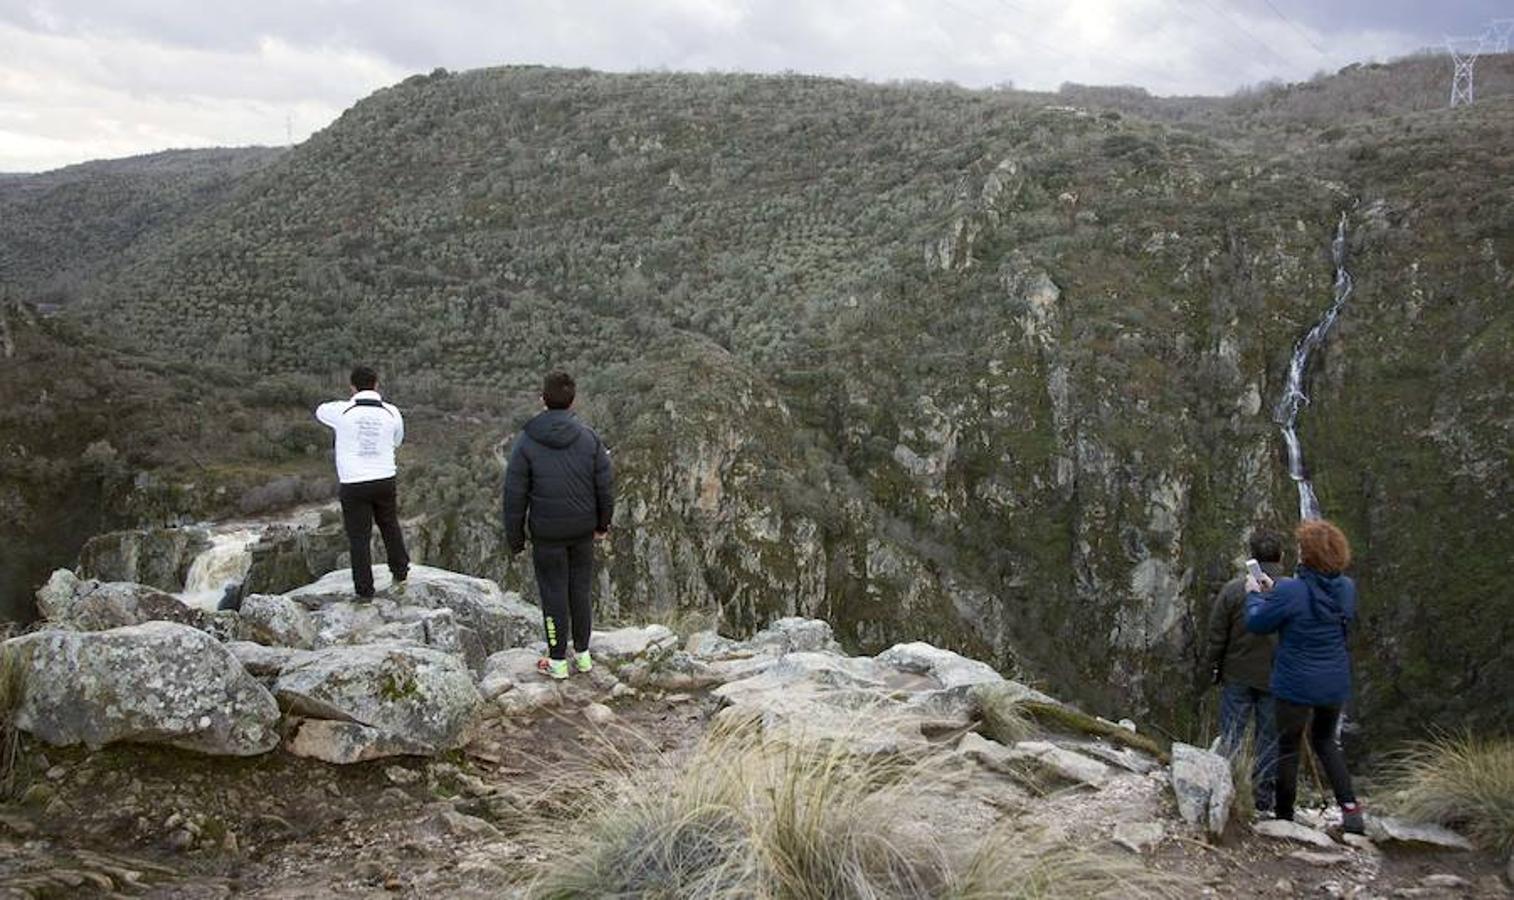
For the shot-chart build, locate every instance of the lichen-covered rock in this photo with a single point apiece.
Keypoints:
(55, 599)
(500, 620)
(116, 604)
(157, 557)
(1203, 786)
(160, 682)
(90, 605)
(419, 695)
(277, 621)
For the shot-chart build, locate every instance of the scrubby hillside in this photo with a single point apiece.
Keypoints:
(926, 362)
(59, 228)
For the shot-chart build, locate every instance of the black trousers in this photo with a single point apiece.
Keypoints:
(563, 576)
(1324, 737)
(364, 503)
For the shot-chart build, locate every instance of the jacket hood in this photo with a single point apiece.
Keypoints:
(556, 428)
(1325, 591)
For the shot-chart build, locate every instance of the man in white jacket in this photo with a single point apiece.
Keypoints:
(367, 431)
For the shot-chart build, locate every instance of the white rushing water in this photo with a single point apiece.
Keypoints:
(217, 568)
(1294, 399)
(229, 557)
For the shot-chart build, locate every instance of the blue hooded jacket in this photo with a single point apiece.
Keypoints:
(1311, 613)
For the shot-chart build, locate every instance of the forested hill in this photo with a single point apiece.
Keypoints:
(987, 368)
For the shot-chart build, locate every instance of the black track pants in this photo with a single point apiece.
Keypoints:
(364, 503)
(563, 576)
(1324, 737)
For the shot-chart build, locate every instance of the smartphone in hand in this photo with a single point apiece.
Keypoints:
(1255, 568)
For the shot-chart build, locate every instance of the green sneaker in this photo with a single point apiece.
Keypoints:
(582, 662)
(556, 669)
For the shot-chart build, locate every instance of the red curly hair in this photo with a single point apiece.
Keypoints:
(1322, 546)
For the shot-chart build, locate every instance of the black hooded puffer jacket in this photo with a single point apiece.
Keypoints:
(559, 479)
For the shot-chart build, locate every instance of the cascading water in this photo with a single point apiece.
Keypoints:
(220, 566)
(1294, 399)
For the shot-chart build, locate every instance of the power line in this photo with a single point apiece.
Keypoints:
(1301, 32)
(1243, 30)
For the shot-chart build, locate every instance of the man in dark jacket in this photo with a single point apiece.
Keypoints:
(558, 483)
(1241, 663)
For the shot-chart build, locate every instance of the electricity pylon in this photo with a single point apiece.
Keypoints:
(1499, 32)
(1464, 52)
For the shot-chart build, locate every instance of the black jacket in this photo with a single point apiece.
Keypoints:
(559, 478)
(1235, 654)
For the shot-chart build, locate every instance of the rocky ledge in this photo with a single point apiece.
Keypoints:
(425, 669)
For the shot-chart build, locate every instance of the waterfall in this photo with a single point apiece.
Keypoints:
(1294, 399)
(220, 566)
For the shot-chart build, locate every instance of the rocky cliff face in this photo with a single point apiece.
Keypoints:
(934, 363)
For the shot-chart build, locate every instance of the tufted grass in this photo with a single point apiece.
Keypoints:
(749, 814)
(11, 686)
(1460, 781)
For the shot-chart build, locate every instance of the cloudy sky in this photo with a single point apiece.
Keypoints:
(86, 79)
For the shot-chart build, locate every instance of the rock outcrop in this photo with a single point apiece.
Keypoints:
(397, 698)
(1205, 791)
(160, 682)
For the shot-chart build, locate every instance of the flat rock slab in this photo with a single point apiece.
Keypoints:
(1064, 764)
(158, 683)
(343, 743)
(1387, 828)
(1138, 837)
(621, 645)
(1283, 830)
(409, 693)
(947, 668)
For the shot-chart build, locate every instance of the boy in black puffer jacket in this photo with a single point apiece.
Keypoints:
(558, 486)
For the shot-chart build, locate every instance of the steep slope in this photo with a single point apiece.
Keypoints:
(928, 362)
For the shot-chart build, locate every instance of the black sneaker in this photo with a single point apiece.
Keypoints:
(1352, 821)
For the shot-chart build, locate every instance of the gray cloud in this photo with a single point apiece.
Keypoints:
(91, 78)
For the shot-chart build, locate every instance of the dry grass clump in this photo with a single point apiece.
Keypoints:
(1459, 781)
(12, 683)
(750, 814)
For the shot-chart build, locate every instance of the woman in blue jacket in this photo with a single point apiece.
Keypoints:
(1311, 670)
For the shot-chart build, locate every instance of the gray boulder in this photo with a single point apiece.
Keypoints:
(499, 620)
(947, 668)
(160, 682)
(1201, 780)
(277, 621)
(420, 697)
(795, 635)
(90, 605)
